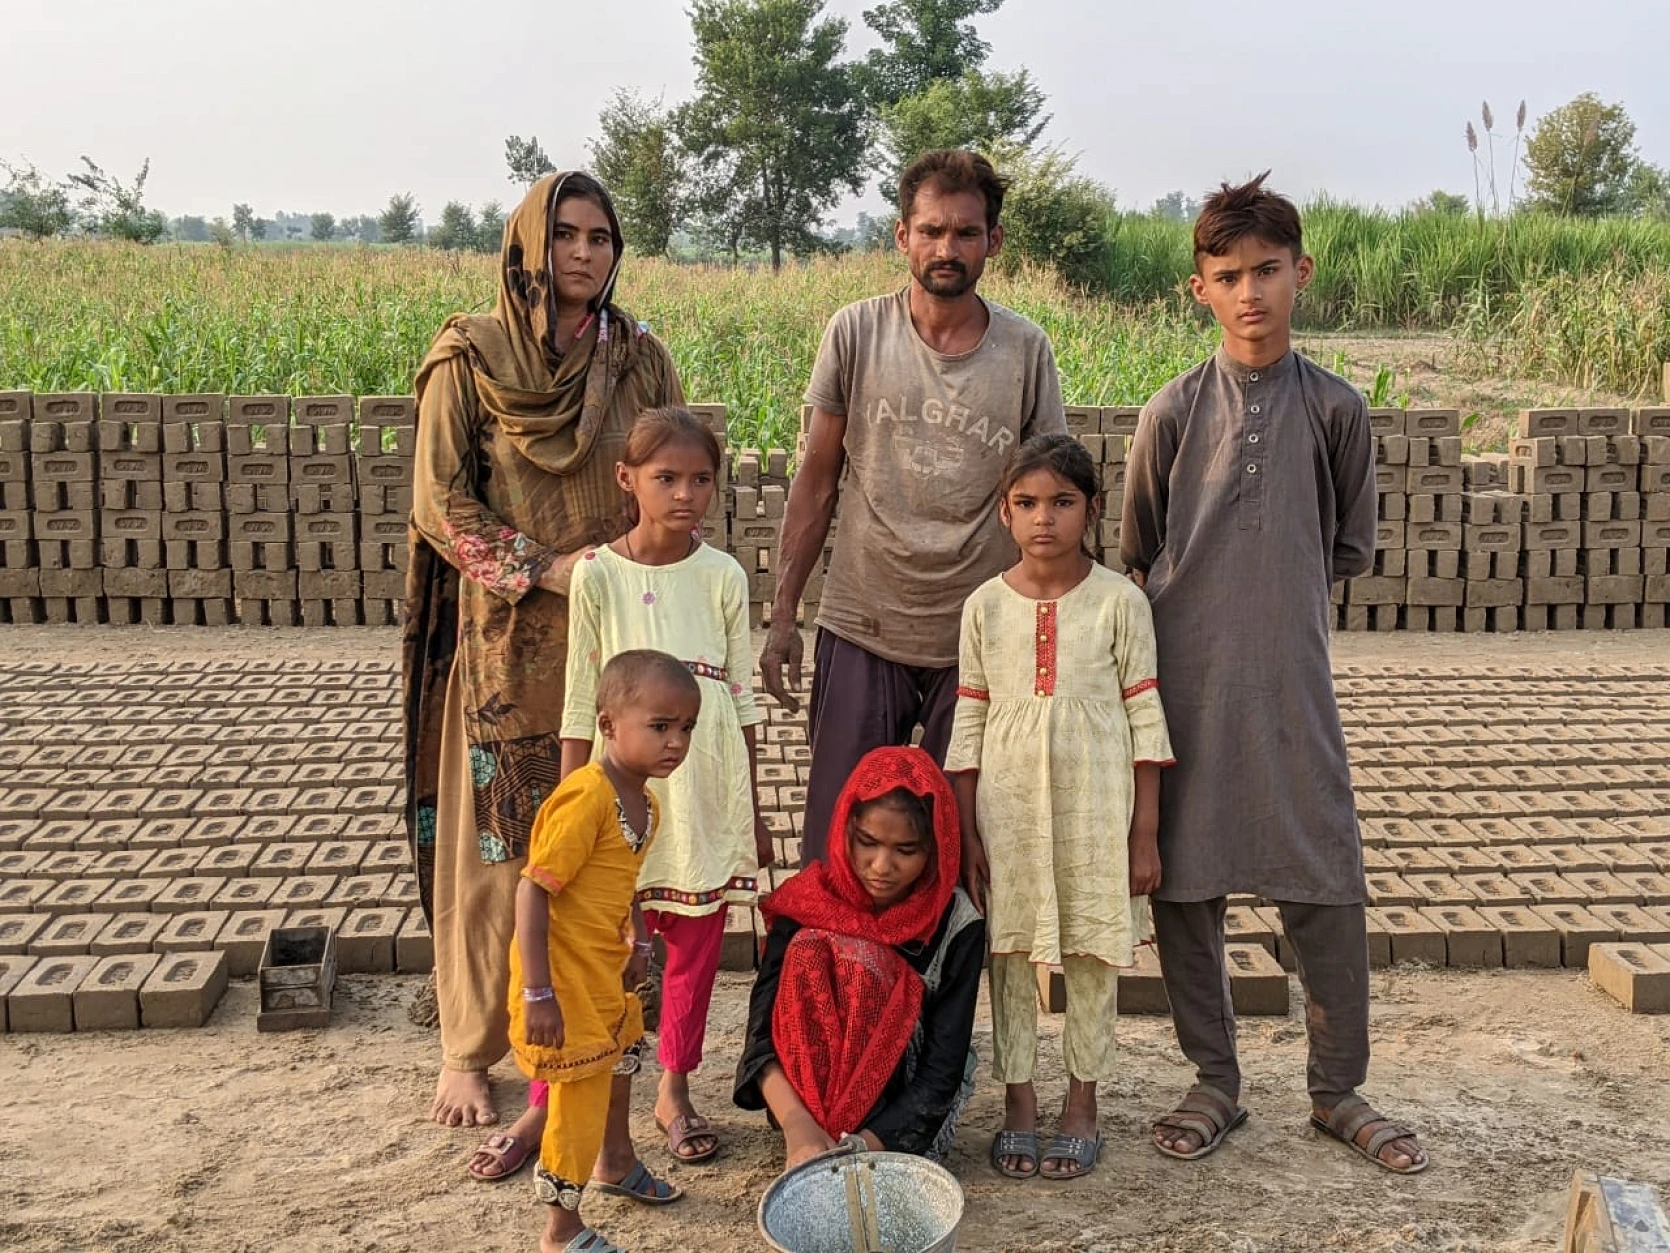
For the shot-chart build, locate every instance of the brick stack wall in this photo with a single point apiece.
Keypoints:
(268, 510)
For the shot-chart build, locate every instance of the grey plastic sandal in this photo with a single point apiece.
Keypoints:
(1015, 1144)
(1076, 1149)
(588, 1241)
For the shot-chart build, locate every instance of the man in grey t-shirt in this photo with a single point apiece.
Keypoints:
(918, 398)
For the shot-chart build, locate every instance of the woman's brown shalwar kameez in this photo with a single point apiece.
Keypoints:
(516, 448)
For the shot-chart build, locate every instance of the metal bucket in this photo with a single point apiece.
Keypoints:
(863, 1202)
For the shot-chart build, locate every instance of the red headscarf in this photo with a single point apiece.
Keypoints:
(847, 1003)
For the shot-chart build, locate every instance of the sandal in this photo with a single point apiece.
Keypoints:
(685, 1128)
(640, 1186)
(506, 1150)
(1204, 1112)
(1015, 1144)
(1075, 1149)
(1347, 1120)
(588, 1241)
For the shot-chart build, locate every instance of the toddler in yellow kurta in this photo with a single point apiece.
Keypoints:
(580, 943)
(1056, 749)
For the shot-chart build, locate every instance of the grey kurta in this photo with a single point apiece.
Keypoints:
(1248, 492)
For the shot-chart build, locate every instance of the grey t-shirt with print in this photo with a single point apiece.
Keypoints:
(926, 441)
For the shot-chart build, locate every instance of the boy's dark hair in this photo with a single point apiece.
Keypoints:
(953, 170)
(626, 676)
(653, 429)
(1230, 214)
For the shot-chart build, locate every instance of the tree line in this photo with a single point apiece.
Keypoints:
(782, 126)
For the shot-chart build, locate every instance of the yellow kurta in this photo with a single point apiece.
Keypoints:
(696, 610)
(579, 854)
(1057, 702)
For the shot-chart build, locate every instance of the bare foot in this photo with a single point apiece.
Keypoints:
(463, 1100)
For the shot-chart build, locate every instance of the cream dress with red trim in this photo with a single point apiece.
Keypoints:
(1057, 702)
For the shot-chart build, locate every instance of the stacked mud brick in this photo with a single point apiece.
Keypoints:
(324, 511)
(1374, 601)
(759, 494)
(268, 511)
(1596, 494)
(135, 581)
(1106, 435)
(387, 442)
(194, 534)
(1430, 451)
(1492, 538)
(64, 478)
(258, 509)
(1652, 428)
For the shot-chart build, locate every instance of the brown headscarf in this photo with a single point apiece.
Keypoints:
(550, 405)
(527, 437)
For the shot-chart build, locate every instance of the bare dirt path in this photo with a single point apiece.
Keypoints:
(315, 1142)
(226, 1140)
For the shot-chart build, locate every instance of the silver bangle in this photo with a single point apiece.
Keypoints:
(643, 947)
(532, 995)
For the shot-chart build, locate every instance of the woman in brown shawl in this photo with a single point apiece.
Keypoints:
(522, 415)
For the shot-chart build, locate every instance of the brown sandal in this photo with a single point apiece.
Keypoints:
(1347, 1120)
(507, 1151)
(1204, 1112)
(682, 1130)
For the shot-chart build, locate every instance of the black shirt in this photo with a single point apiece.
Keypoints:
(909, 1114)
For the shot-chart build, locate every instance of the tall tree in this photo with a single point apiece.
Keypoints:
(191, 230)
(117, 210)
(526, 159)
(322, 226)
(1648, 195)
(778, 124)
(243, 219)
(398, 223)
(1580, 158)
(640, 161)
(977, 110)
(457, 231)
(33, 205)
(362, 228)
(925, 41)
(489, 228)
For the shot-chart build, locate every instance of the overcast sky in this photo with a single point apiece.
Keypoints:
(303, 105)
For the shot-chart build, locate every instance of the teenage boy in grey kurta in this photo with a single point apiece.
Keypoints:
(1249, 491)
(918, 398)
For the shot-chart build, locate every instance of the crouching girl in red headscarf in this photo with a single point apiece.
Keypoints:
(861, 1018)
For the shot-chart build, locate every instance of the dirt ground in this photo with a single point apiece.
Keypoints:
(317, 1142)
